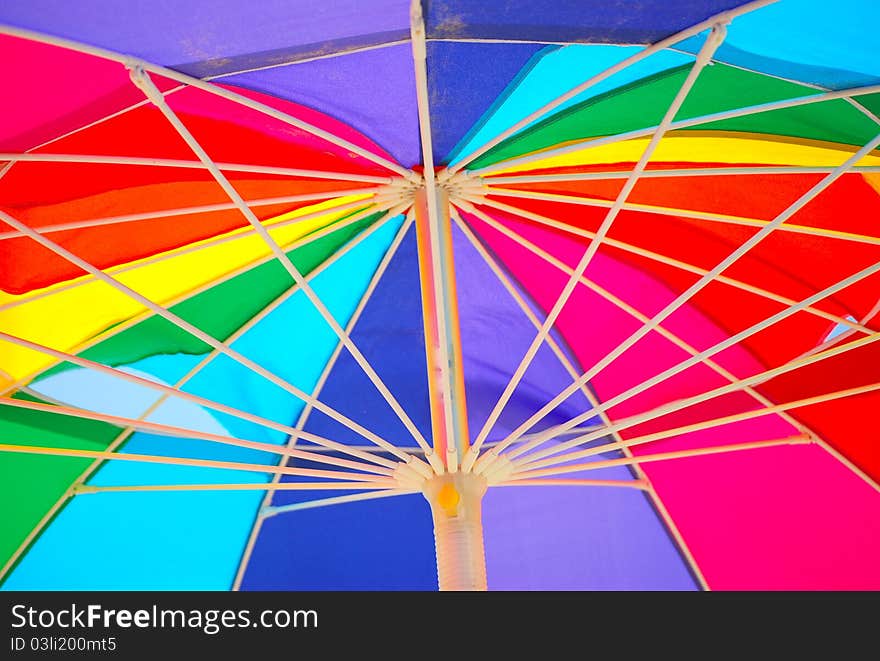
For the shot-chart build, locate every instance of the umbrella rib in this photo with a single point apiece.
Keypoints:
(275, 510)
(133, 62)
(358, 452)
(696, 287)
(715, 349)
(677, 172)
(447, 409)
(678, 405)
(177, 461)
(493, 263)
(208, 208)
(207, 339)
(304, 60)
(652, 493)
(573, 482)
(643, 318)
(101, 120)
(582, 144)
(140, 161)
(855, 103)
(831, 341)
(719, 19)
(138, 318)
(799, 439)
(316, 392)
(506, 280)
(558, 460)
(683, 213)
(282, 486)
(145, 83)
(146, 314)
(635, 250)
(171, 391)
(91, 124)
(338, 223)
(712, 42)
(180, 432)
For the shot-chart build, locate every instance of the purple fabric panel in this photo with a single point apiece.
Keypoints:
(579, 538)
(495, 336)
(549, 537)
(172, 32)
(373, 91)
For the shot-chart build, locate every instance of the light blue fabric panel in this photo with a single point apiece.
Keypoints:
(190, 540)
(833, 46)
(555, 71)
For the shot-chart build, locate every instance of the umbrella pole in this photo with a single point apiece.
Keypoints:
(456, 506)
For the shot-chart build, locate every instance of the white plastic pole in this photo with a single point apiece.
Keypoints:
(456, 507)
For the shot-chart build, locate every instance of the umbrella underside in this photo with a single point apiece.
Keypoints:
(276, 312)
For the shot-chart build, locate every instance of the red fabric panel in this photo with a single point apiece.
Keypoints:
(41, 194)
(26, 265)
(753, 196)
(791, 265)
(850, 424)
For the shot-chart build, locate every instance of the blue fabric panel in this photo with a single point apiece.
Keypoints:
(807, 41)
(466, 81)
(554, 71)
(188, 540)
(609, 21)
(96, 391)
(141, 541)
(386, 544)
(391, 319)
(293, 341)
(203, 37)
(372, 91)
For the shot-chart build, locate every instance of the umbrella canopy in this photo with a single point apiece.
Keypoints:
(381, 295)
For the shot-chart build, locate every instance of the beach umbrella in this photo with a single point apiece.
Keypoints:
(378, 295)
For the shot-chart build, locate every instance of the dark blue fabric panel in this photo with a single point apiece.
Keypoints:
(390, 335)
(605, 21)
(466, 81)
(384, 544)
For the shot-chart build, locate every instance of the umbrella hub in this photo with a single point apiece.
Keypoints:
(459, 186)
(456, 506)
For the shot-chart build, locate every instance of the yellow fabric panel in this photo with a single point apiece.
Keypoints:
(707, 147)
(65, 319)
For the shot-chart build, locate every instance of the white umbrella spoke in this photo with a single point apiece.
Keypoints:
(712, 42)
(636, 250)
(710, 276)
(207, 339)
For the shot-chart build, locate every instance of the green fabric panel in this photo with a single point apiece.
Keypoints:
(718, 88)
(633, 106)
(833, 121)
(211, 310)
(31, 484)
(870, 101)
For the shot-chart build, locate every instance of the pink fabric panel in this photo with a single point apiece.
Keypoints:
(788, 517)
(197, 102)
(51, 90)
